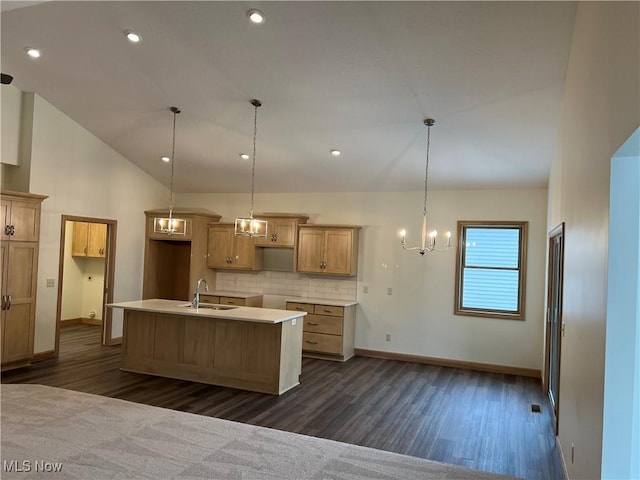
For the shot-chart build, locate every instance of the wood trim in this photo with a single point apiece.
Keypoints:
(110, 342)
(446, 362)
(70, 321)
(27, 195)
(110, 261)
(42, 356)
(522, 277)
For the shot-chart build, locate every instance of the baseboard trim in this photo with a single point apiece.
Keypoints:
(42, 356)
(562, 460)
(110, 342)
(446, 362)
(80, 320)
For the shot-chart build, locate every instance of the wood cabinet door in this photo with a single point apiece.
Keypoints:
(97, 240)
(5, 218)
(219, 246)
(24, 219)
(19, 262)
(285, 231)
(243, 254)
(310, 250)
(338, 251)
(79, 239)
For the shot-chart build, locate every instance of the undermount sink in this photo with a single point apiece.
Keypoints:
(210, 306)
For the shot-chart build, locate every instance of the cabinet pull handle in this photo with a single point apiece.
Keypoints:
(311, 342)
(7, 229)
(3, 302)
(300, 309)
(326, 311)
(313, 324)
(85, 250)
(8, 302)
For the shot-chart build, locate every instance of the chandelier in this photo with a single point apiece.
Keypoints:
(249, 226)
(428, 241)
(170, 225)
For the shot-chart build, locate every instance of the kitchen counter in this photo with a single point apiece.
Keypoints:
(322, 301)
(175, 307)
(257, 349)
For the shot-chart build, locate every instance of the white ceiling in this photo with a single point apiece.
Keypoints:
(357, 76)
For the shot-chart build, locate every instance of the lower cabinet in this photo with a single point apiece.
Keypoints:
(243, 301)
(329, 330)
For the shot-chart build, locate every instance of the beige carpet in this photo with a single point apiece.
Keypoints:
(93, 437)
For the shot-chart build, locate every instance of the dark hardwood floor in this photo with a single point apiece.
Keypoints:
(475, 419)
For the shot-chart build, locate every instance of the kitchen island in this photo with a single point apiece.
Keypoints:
(257, 349)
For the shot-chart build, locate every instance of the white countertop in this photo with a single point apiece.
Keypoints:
(322, 301)
(176, 307)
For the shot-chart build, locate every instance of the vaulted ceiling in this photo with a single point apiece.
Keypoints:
(355, 76)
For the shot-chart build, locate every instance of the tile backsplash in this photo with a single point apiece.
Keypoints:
(289, 284)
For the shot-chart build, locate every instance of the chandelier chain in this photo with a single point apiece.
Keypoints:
(426, 172)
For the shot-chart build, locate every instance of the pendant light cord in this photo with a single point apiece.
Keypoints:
(256, 104)
(175, 111)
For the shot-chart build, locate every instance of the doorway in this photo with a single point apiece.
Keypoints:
(86, 273)
(555, 326)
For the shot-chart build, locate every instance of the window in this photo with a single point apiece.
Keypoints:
(491, 269)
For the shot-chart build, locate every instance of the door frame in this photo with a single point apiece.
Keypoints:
(109, 278)
(558, 231)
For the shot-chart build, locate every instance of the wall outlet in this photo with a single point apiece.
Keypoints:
(389, 291)
(365, 289)
(51, 282)
(388, 337)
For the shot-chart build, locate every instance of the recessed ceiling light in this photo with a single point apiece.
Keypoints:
(33, 52)
(334, 152)
(165, 159)
(244, 156)
(133, 36)
(255, 15)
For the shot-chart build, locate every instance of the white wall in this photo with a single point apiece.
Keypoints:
(600, 109)
(83, 176)
(419, 314)
(72, 285)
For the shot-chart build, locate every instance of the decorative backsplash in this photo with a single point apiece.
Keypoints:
(286, 283)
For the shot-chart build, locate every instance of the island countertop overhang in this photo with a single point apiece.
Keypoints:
(177, 307)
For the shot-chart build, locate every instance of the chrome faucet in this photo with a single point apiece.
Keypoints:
(196, 296)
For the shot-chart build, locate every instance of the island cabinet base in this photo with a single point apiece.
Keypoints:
(239, 354)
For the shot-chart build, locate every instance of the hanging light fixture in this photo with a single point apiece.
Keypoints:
(430, 244)
(249, 226)
(170, 225)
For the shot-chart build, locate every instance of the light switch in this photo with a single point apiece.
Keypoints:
(51, 282)
(389, 291)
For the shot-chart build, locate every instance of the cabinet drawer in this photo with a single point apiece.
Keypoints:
(323, 324)
(329, 310)
(320, 342)
(300, 307)
(209, 299)
(232, 301)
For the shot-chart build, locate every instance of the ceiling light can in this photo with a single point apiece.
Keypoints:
(165, 159)
(244, 156)
(133, 37)
(33, 52)
(335, 152)
(255, 15)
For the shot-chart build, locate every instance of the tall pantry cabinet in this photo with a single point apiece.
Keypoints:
(20, 223)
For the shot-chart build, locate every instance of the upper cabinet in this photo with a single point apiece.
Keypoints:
(328, 249)
(225, 250)
(89, 240)
(20, 217)
(282, 229)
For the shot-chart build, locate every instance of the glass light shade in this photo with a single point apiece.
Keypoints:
(251, 227)
(170, 226)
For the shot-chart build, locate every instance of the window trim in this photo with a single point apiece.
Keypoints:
(458, 309)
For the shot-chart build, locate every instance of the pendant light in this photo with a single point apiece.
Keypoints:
(170, 225)
(429, 245)
(249, 226)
